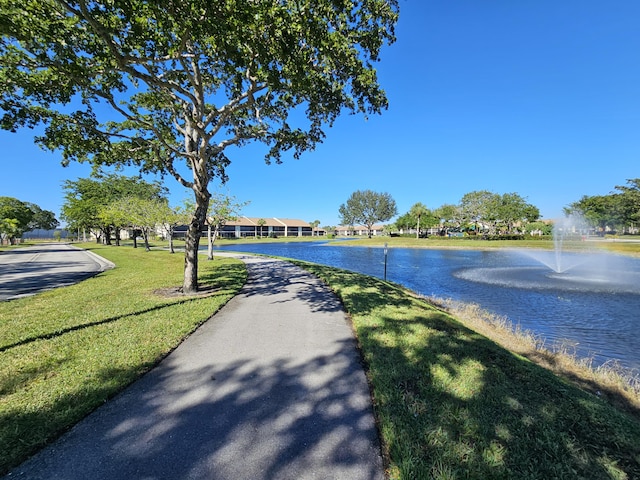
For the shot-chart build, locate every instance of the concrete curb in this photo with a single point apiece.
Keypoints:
(103, 262)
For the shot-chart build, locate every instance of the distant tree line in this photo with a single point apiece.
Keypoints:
(17, 217)
(617, 212)
(485, 213)
(106, 204)
(478, 212)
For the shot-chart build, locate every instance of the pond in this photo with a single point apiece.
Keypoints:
(595, 306)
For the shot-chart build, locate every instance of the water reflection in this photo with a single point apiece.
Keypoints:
(600, 318)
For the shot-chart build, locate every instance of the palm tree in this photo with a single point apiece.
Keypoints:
(418, 211)
(261, 223)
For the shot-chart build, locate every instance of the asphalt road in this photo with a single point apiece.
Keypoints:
(30, 270)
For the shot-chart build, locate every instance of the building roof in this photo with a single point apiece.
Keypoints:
(269, 222)
(293, 222)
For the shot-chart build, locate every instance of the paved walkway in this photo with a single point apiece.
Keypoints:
(270, 388)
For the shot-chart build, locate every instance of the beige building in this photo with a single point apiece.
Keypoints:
(349, 230)
(267, 226)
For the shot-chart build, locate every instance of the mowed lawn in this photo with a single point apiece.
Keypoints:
(67, 351)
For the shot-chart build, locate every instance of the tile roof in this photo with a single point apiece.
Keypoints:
(269, 222)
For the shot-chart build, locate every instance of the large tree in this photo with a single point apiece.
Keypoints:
(448, 216)
(602, 211)
(172, 84)
(44, 219)
(510, 209)
(15, 217)
(81, 210)
(367, 207)
(478, 207)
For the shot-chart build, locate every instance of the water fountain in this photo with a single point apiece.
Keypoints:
(572, 264)
(567, 230)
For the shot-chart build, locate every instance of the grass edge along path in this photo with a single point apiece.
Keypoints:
(452, 404)
(65, 352)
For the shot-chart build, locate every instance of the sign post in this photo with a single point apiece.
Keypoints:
(385, 261)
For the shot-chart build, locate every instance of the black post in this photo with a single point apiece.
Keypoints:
(385, 262)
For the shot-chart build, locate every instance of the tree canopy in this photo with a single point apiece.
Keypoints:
(419, 212)
(448, 217)
(510, 209)
(90, 202)
(629, 208)
(170, 84)
(367, 207)
(475, 207)
(618, 210)
(43, 219)
(496, 212)
(476, 211)
(17, 217)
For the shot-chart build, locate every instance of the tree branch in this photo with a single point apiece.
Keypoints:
(124, 61)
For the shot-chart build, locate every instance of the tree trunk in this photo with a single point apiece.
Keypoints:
(192, 243)
(145, 235)
(209, 243)
(171, 240)
(212, 240)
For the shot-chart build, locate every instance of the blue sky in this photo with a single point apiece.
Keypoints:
(541, 98)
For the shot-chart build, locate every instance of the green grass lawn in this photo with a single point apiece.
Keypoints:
(66, 351)
(452, 404)
(616, 246)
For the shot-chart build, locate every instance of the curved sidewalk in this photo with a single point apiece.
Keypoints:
(270, 388)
